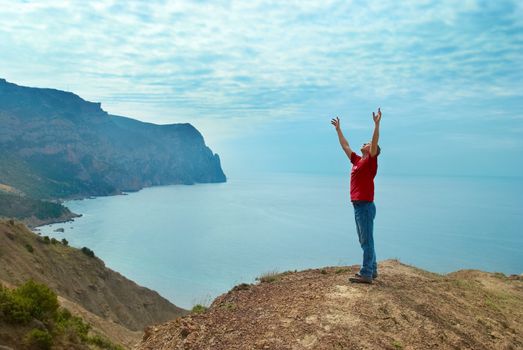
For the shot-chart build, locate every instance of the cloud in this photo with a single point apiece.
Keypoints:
(263, 59)
(484, 142)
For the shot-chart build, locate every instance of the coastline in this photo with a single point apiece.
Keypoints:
(34, 223)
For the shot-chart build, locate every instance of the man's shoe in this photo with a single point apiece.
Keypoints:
(374, 276)
(360, 279)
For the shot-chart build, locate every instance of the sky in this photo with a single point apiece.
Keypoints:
(262, 79)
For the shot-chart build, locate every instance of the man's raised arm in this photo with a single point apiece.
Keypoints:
(376, 134)
(343, 142)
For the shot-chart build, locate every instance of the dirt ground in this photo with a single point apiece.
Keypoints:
(405, 308)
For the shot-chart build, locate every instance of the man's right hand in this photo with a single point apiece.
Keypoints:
(336, 123)
(343, 142)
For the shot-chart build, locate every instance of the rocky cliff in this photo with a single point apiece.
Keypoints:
(406, 308)
(54, 144)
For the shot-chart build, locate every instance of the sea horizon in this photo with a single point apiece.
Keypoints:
(192, 243)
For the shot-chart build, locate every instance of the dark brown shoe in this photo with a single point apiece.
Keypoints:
(360, 279)
(373, 276)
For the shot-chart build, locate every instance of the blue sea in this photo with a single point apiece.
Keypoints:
(193, 243)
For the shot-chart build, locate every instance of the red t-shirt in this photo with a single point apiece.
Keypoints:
(362, 177)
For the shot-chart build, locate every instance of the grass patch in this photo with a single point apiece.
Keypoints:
(29, 247)
(499, 300)
(504, 297)
(342, 270)
(228, 306)
(397, 345)
(199, 309)
(464, 284)
(268, 277)
(491, 303)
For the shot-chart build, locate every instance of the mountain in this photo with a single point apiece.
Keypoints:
(55, 145)
(406, 308)
(117, 306)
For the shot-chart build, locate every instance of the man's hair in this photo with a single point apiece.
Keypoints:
(379, 150)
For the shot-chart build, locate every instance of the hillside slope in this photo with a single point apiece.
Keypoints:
(79, 278)
(406, 308)
(62, 328)
(55, 145)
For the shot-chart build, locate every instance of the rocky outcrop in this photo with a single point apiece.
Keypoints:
(54, 144)
(406, 308)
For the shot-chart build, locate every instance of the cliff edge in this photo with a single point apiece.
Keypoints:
(406, 308)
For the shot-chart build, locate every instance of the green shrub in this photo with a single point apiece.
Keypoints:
(36, 301)
(103, 343)
(29, 248)
(63, 315)
(65, 242)
(41, 302)
(13, 310)
(3, 293)
(199, 309)
(54, 240)
(39, 339)
(64, 321)
(88, 252)
(241, 286)
(46, 239)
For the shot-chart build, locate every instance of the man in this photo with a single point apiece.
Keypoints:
(362, 175)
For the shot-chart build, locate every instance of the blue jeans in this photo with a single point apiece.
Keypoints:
(365, 212)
